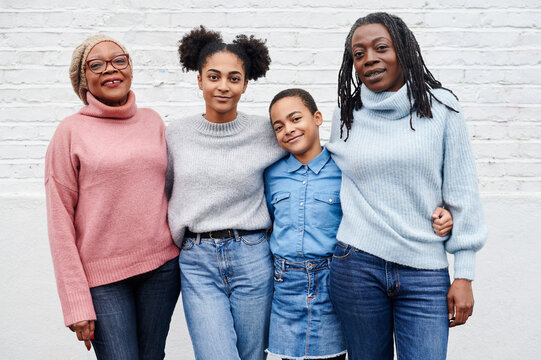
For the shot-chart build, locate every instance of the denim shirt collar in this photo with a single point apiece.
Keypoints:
(316, 164)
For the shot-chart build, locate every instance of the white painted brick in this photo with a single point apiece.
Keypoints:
(487, 52)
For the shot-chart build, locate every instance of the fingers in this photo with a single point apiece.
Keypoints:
(451, 309)
(463, 312)
(437, 213)
(84, 330)
(443, 222)
(460, 302)
(92, 327)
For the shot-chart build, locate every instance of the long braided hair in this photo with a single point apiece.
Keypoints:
(418, 79)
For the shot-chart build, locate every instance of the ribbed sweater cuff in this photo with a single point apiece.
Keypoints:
(465, 264)
(80, 308)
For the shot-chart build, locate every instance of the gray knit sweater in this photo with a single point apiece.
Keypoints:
(214, 175)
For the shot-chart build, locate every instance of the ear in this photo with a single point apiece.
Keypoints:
(200, 81)
(245, 86)
(318, 118)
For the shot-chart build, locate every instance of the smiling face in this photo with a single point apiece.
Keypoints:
(223, 81)
(296, 128)
(112, 86)
(374, 58)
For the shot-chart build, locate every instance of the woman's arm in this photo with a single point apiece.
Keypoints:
(62, 194)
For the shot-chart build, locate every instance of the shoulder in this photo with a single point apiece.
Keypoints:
(257, 121)
(179, 125)
(277, 168)
(68, 125)
(445, 97)
(149, 113)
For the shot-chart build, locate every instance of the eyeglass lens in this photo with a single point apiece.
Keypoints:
(119, 62)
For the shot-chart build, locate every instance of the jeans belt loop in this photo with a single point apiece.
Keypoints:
(283, 263)
(198, 239)
(236, 235)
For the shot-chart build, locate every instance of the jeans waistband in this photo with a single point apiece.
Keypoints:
(308, 265)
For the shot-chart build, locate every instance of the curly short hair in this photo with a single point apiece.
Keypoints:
(196, 46)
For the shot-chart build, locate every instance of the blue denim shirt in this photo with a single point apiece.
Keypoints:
(304, 203)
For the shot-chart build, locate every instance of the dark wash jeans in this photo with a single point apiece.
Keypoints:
(133, 315)
(376, 299)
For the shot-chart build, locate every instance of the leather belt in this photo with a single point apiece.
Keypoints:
(221, 234)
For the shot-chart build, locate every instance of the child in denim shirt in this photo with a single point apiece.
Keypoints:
(303, 197)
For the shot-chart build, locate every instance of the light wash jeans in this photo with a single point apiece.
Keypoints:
(227, 289)
(376, 299)
(133, 315)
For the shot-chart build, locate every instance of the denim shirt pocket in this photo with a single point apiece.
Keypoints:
(281, 204)
(326, 212)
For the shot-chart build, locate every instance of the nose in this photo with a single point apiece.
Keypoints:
(290, 127)
(370, 58)
(109, 68)
(222, 85)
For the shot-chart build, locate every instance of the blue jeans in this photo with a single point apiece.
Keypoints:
(303, 321)
(227, 294)
(133, 315)
(376, 299)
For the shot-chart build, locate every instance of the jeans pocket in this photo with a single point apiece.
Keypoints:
(254, 238)
(342, 251)
(188, 243)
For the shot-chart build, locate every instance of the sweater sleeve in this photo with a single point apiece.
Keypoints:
(461, 196)
(170, 172)
(61, 190)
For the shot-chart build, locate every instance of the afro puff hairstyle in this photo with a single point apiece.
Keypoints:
(196, 46)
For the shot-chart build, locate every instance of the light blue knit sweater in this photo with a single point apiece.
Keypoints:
(393, 178)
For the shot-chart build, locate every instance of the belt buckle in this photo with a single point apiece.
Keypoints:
(218, 238)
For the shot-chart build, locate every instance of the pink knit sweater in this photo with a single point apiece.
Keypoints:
(106, 207)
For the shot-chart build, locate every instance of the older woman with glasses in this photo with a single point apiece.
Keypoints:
(116, 266)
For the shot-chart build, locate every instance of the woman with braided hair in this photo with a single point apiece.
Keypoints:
(402, 144)
(217, 208)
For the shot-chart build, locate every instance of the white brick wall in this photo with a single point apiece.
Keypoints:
(488, 52)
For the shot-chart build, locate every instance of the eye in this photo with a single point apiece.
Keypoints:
(278, 128)
(213, 77)
(121, 60)
(235, 79)
(95, 65)
(297, 118)
(381, 47)
(358, 54)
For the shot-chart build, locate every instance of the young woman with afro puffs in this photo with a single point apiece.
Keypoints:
(217, 209)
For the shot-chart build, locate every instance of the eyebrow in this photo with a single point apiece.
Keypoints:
(230, 73)
(97, 56)
(373, 41)
(287, 117)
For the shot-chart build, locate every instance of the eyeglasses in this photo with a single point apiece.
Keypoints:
(98, 66)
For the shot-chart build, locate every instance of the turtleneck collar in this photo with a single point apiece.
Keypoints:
(221, 129)
(96, 108)
(388, 105)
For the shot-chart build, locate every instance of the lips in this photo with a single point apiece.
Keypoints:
(373, 73)
(111, 82)
(293, 139)
(222, 98)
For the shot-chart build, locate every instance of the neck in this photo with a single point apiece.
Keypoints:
(217, 117)
(109, 102)
(310, 154)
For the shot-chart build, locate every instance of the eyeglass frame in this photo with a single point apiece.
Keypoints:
(107, 62)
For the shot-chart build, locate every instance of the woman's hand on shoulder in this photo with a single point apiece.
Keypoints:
(84, 331)
(442, 221)
(460, 302)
